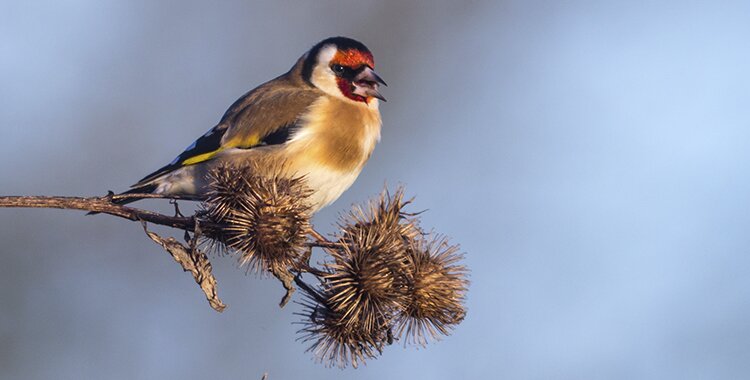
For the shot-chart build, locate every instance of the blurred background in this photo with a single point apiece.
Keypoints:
(591, 158)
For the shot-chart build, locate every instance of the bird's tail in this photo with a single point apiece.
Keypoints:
(143, 189)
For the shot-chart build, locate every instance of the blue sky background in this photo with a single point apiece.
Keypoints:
(591, 158)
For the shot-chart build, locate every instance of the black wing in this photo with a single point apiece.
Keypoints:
(205, 145)
(208, 145)
(267, 115)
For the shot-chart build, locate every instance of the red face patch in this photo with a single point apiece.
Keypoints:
(347, 88)
(353, 59)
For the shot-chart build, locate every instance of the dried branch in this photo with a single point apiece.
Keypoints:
(102, 205)
(194, 261)
(385, 279)
(191, 259)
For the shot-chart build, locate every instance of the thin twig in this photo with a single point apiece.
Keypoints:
(318, 236)
(102, 205)
(309, 290)
(306, 268)
(323, 244)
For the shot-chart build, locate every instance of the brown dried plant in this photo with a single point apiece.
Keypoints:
(384, 278)
(335, 340)
(436, 291)
(263, 219)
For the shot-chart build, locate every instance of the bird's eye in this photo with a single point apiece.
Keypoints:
(338, 69)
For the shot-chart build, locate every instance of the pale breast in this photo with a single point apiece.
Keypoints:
(337, 133)
(330, 148)
(335, 141)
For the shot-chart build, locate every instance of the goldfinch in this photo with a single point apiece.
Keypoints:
(320, 120)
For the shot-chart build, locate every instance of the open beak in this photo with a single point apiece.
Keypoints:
(366, 84)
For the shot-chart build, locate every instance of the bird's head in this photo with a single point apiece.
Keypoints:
(344, 68)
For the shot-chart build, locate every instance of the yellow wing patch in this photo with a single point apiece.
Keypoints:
(200, 158)
(237, 142)
(242, 142)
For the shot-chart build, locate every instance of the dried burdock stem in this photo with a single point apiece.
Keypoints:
(310, 292)
(320, 238)
(287, 280)
(104, 205)
(320, 241)
(189, 258)
(323, 244)
(194, 261)
(384, 278)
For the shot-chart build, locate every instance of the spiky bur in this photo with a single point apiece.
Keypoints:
(382, 221)
(364, 286)
(264, 219)
(338, 341)
(368, 275)
(436, 291)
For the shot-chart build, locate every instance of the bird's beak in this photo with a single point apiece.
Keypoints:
(366, 84)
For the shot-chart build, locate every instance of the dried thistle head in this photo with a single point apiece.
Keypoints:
(381, 220)
(368, 276)
(364, 286)
(436, 291)
(264, 218)
(366, 281)
(349, 320)
(335, 340)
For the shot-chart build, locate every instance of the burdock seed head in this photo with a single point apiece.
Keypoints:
(366, 282)
(348, 320)
(364, 286)
(382, 221)
(436, 291)
(368, 276)
(336, 341)
(263, 218)
(385, 275)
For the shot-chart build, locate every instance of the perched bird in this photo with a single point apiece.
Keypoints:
(320, 120)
